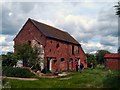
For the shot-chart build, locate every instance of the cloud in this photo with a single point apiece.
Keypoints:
(92, 47)
(26, 7)
(6, 49)
(9, 22)
(60, 1)
(6, 43)
(93, 24)
(79, 27)
(109, 41)
(108, 22)
(6, 40)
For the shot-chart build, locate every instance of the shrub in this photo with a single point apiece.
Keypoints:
(112, 79)
(17, 72)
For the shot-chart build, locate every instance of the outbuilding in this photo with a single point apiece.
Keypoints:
(112, 61)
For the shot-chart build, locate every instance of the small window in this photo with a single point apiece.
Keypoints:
(62, 59)
(76, 60)
(51, 41)
(50, 50)
(70, 60)
(29, 42)
(55, 61)
(57, 46)
(72, 50)
(38, 42)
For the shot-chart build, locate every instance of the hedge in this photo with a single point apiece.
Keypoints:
(17, 72)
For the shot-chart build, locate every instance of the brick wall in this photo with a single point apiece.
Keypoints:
(113, 64)
(29, 32)
(64, 51)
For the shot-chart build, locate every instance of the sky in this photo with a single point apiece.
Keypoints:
(92, 23)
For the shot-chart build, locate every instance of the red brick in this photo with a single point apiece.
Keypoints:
(29, 32)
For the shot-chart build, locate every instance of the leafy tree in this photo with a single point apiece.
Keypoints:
(30, 54)
(91, 58)
(118, 9)
(100, 56)
(26, 53)
(39, 52)
(9, 59)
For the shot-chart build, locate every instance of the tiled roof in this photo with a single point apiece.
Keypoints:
(55, 33)
(112, 56)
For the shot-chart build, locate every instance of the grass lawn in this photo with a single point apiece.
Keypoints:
(96, 78)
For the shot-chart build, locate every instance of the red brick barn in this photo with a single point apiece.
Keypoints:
(60, 49)
(112, 61)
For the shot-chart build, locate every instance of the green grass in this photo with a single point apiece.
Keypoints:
(96, 78)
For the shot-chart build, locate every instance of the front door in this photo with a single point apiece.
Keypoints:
(78, 62)
(49, 64)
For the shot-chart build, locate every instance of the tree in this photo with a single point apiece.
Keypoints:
(118, 9)
(9, 59)
(100, 56)
(25, 53)
(39, 52)
(31, 55)
(91, 58)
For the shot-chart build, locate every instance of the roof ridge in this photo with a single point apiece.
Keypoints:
(48, 25)
(50, 31)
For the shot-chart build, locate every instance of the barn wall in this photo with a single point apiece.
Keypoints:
(63, 51)
(28, 33)
(83, 57)
(113, 64)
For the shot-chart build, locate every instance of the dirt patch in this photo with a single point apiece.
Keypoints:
(29, 79)
(49, 76)
(65, 78)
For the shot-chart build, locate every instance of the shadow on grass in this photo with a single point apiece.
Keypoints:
(112, 79)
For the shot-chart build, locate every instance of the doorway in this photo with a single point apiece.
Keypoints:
(71, 64)
(49, 64)
(79, 62)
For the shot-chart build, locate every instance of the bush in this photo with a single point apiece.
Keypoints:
(112, 79)
(17, 72)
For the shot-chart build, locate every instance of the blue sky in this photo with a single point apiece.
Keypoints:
(92, 23)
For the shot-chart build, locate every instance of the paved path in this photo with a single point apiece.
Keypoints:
(49, 76)
(29, 79)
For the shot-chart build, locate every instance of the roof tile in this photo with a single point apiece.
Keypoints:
(113, 56)
(52, 32)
